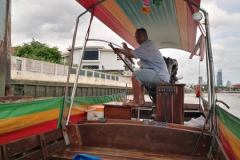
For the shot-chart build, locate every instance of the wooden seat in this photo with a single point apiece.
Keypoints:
(35, 147)
(114, 154)
(1, 154)
(26, 148)
(53, 141)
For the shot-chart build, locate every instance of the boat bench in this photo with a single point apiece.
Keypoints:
(114, 139)
(35, 147)
(130, 141)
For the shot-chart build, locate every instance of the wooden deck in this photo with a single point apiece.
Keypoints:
(115, 154)
(112, 140)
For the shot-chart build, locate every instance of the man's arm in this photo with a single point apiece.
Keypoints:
(126, 51)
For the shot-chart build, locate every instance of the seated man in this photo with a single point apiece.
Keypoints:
(154, 67)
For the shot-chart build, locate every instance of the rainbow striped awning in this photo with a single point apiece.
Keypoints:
(169, 25)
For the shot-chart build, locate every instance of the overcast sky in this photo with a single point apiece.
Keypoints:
(53, 22)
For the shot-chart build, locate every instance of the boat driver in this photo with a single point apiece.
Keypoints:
(154, 67)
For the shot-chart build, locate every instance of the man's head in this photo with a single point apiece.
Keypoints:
(141, 35)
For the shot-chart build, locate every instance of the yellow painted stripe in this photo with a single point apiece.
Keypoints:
(233, 141)
(181, 7)
(77, 110)
(117, 12)
(14, 123)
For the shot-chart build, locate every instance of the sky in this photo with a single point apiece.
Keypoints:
(53, 22)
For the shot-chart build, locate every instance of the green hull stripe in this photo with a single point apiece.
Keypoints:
(95, 100)
(230, 121)
(9, 110)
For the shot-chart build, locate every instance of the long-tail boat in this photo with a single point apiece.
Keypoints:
(56, 128)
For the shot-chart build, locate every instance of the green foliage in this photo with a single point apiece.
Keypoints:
(133, 67)
(38, 51)
(113, 73)
(75, 65)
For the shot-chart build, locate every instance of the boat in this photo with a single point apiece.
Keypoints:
(57, 129)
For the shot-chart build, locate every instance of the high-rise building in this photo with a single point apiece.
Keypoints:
(228, 84)
(219, 78)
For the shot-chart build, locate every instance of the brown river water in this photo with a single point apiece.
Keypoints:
(231, 99)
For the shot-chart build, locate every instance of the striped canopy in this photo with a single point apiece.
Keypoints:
(169, 25)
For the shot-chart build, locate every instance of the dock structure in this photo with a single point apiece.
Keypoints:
(5, 44)
(43, 79)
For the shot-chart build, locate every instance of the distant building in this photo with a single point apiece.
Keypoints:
(96, 57)
(236, 86)
(228, 84)
(219, 78)
(190, 85)
(200, 80)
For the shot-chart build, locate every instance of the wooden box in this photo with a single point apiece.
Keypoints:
(115, 110)
(170, 103)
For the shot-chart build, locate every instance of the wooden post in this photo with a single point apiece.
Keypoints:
(5, 44)
(170, 103)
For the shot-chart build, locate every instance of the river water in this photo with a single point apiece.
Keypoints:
(231, 99)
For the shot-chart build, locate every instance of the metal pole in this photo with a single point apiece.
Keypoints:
(209, 85)
(211, 67)
(100, 40)
(64, 123)
(5, 44)
(76, 79)
(68, 76)
(213, 106)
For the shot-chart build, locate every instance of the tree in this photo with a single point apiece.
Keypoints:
(38, 51)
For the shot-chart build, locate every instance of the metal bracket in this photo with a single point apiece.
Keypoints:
(167, 89)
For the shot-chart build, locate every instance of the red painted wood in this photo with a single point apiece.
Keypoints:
(36, 129)
(77, 118)
(29, 131)
(227, 147)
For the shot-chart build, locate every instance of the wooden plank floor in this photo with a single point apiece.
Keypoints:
(115, 154)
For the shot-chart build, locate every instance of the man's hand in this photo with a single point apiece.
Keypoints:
(126, 52)
(125, 45)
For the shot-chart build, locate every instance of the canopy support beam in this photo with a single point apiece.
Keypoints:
(64, 120)
(210, 72)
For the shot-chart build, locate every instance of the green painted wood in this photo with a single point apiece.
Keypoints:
(9, 110)
(161, 24)
(229, 121)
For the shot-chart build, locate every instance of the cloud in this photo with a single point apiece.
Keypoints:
(222, 23)
(48, 21)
